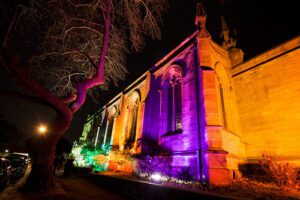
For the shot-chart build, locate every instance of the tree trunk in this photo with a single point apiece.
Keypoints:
(42, 147)
(42, 151)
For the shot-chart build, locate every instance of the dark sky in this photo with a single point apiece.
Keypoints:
(260, 25)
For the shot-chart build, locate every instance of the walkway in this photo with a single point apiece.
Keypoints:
(71, 188)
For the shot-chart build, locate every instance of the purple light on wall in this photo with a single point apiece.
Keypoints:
(187, 148)
(203, 131)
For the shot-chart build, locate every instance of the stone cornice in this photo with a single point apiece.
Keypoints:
(279, 50)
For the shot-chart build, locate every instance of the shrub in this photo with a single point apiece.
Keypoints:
(185, 174)
(95, 156)
(283, 173)
(121, 157)
(149, 164)
(155, 158)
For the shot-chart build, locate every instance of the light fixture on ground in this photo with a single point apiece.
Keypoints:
(156, 177)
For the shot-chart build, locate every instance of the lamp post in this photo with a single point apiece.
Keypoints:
(42, 129)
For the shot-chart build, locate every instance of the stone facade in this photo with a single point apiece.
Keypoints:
(207, 108)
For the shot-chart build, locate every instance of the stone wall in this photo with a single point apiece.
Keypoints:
(268, 100)
(185, 144)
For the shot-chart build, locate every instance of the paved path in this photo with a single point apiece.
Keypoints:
(72, 188)
(81, 189)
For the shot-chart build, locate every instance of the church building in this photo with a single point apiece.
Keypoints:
(213, 112)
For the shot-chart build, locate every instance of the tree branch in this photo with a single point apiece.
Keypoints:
(89, 58)
(33, 86)
(69, 98)
(9, 29)
(82, 87)
(67, 53)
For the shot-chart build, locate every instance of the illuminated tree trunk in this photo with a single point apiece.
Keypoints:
(40, 147)
(42, 151)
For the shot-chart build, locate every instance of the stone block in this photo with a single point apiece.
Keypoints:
(219, 177)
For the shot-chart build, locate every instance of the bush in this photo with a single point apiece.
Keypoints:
(95, 157)
(150, 164)
(283, 173)
(121, 157)
(155, 158)
(185, 174)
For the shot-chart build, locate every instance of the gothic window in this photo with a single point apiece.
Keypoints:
(224, 97)
(174, 104)
(98, 120)
(131, 128)
(134, 111)
(112, 113)
(91, 133)
(97, 128)
(109, 130)
(223, 106)
(170, 108)
(103, 127)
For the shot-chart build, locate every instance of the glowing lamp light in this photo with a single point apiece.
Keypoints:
(6, 150)
(156, 177)
(42, 129)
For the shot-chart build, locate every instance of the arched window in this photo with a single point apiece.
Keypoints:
(112, 113)
(222, 101)
(173, 104)
(132, 112)
(226, 98)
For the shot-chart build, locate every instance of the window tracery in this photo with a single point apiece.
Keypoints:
(173, 97)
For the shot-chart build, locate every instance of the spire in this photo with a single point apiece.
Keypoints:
(228, 42)
(225, 29)
(200, 20)
(236, 54)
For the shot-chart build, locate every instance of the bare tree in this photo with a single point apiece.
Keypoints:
(60, 50)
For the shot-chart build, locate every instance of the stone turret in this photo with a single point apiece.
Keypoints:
(200, 20)
(229, 43)
(203, 36)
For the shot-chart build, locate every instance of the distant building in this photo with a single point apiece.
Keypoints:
(212, 111)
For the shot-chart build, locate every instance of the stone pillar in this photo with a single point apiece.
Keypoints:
(139, 128)
(215, 156)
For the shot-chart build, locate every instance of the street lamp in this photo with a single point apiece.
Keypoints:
(42, 129)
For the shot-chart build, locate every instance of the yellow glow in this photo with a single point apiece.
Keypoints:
(42, 129)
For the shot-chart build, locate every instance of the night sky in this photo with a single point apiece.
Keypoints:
(259, 24)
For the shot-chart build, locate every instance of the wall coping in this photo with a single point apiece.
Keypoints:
(266, 56)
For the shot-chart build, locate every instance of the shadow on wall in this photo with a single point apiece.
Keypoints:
(156, 158)
(252, 170)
